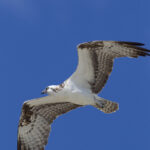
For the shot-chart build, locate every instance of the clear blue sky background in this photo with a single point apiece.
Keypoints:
(38, 47)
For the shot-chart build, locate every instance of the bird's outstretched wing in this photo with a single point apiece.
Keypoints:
(35, 120)
(96, 61)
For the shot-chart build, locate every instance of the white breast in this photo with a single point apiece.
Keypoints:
(77, 95)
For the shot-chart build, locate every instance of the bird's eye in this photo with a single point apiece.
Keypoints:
(47, 88)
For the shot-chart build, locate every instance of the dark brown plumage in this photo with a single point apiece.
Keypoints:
(94, 67)
(102, 55)
(38, 131)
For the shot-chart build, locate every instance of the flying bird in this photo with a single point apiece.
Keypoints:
(94, 67)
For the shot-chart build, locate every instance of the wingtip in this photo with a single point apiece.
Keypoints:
(136, 45)
(131, 43)
(18, 144)
(147, 54)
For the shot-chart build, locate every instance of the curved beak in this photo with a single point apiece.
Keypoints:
(44, 91)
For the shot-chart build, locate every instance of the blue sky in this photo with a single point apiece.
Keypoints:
(38, 47)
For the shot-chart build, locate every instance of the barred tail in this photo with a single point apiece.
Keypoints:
(106, 106)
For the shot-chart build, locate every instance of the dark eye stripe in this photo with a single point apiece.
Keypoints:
(55, 90)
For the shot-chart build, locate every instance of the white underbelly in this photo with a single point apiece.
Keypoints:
(80, 98)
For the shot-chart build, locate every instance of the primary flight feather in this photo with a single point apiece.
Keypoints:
(94, 67)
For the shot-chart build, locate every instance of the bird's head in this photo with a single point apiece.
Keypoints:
(50, 89)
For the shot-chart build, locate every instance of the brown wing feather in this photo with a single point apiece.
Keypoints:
(102, 71)
(102, 54)
(34, 125)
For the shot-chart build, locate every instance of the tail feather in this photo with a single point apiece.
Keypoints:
(107, 106)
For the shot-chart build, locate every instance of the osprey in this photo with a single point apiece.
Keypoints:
(94, 67)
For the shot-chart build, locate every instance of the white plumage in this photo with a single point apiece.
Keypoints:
(94, 67)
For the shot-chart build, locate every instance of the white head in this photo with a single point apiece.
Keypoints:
(50, 89)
